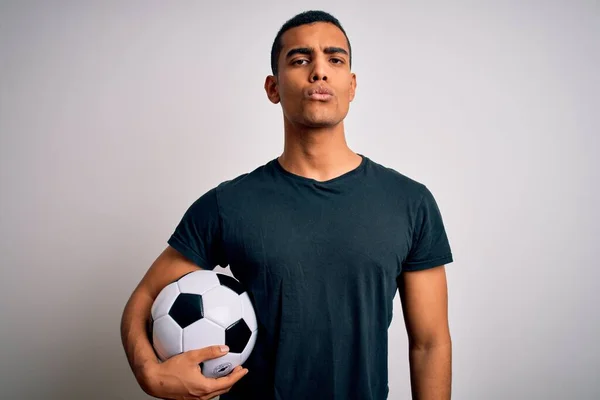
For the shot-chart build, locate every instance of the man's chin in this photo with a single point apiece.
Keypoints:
(320, 122)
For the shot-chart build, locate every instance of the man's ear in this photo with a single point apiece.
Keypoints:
(272, 89)
(352, 87)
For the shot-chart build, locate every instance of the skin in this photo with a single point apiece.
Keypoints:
(315, 144)
(315, 147)
(424, 299)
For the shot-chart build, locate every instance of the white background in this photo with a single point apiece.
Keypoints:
(115, 116)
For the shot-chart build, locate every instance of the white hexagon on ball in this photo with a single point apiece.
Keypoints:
(222, 305)
(202, 333)
(198, 282)
(167, 336)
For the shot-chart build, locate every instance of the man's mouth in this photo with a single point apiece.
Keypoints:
(320, 96)
(320, 93)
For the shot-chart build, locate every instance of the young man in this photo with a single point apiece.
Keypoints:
(321, 237)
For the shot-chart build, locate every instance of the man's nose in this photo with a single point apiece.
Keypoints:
(319, 70)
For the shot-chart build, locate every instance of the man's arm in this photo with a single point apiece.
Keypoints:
(179, 377)
(168, 267)
(424, 299)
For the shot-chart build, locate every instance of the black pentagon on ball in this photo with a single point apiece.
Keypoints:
(237, 336)
(187, 309)
(231, 283)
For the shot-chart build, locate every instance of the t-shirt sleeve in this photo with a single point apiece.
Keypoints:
(430, 246)
(198, 235)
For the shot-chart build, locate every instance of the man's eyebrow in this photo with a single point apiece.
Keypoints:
(334, 50)
(310, 50)
(299, 50)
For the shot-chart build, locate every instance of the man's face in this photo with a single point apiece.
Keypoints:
(314, 82)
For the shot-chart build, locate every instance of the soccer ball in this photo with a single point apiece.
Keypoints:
(201, 309)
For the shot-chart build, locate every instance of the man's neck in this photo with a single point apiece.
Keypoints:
(320, 154)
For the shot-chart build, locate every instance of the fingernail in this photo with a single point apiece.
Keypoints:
(224, 348)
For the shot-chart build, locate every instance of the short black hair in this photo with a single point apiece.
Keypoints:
(304, 18)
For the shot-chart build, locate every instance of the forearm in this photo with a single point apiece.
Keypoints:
(134, 337)
(431, 371)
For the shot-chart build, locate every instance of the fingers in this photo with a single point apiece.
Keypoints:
(215, 386)
(206, 353)
(217, 392)
(226, 382)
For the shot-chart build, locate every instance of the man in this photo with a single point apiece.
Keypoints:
(321, 237)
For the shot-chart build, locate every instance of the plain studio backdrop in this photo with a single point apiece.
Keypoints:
(116, 116)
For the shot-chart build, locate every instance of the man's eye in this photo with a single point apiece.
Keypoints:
(337, 61)
(299, 61)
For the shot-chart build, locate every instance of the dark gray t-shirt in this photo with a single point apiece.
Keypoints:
(320, 261)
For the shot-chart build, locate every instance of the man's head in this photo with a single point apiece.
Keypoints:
(310, 61)
(307, 17)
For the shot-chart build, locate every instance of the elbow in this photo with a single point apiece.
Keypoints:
(430, 342)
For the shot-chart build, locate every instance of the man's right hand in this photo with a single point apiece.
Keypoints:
(180, 376)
